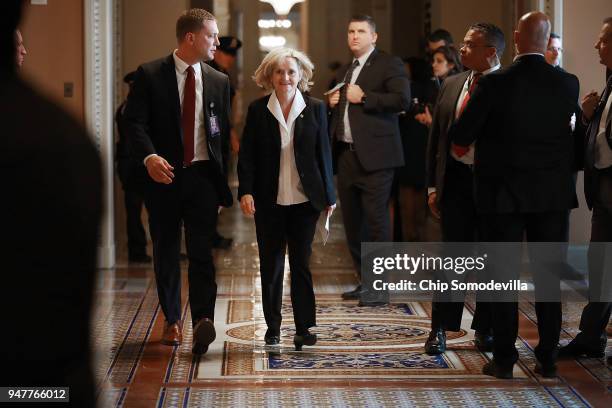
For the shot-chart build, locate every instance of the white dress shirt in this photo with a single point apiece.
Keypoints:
(468, 158)
(348, 137)
(527, 53)
(290, 190)
(200, 143)
(603, 154)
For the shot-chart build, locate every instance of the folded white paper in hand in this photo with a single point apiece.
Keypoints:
(335, 88)
(323, 226)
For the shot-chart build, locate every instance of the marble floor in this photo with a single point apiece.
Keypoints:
(365, 357)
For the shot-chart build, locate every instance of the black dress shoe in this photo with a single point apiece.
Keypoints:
(304, 339)
(575, 349)
(497, 371)
(352, 294)
(272, 337)
(140, 258)
(436, 342)
(483, 342)
(223, 243)
(546, 370)
(203, 334)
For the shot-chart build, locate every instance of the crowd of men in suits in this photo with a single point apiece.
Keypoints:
(504, 148)
(513, 117)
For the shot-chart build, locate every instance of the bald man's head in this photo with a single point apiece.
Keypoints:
(532, 33)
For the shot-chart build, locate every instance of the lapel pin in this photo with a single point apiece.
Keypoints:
(212, 105)
(302, 115)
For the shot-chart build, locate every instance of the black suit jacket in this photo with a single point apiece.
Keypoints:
(374, 124)
(520, 119)
(153, 117)
(260, 148)
(438, 148)
(589, 133)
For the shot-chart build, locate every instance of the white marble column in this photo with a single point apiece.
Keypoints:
(99, 84)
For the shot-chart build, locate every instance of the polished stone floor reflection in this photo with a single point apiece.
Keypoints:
(365, 357)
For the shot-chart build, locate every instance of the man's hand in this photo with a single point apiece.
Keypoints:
(433, 207)
(354, 94)
(334, 98)
(424, 118)
(589, 103)
(247, 204)
(159, 169)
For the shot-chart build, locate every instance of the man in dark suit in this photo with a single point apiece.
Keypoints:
(436, 39)
(225, 58)
(50, 212)
(592, 339)
(450, 184)
(365, 138)
(133, 177)
(520, 119)
(178, 117)
(554, 50)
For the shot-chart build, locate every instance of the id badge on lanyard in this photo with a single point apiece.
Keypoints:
(215, 129)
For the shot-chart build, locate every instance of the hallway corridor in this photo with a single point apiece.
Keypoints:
(365, 357)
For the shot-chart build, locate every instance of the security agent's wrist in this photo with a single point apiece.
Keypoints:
(147, 158)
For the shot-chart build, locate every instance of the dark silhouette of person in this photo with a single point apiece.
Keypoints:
(50, 213)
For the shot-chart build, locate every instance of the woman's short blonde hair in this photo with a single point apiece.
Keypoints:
(263, 73)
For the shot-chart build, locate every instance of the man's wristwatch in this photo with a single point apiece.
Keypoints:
(363, 98)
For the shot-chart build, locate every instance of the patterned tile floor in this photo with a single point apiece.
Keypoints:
(365, 357)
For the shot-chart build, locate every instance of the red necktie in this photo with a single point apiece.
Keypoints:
(460, 151)
(475, 79)
(188, 117)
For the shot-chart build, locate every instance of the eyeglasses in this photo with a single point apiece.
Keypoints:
(472, 45)
(555, 49)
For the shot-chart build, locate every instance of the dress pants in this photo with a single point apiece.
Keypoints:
(459, 223)
(290, 227)
(137, 240)
(191, 198)
(538, 227)
(364, 198)
(412, 204)
(596, 315)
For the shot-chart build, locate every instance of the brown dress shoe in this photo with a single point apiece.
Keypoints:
(203, 334)
(172, 334)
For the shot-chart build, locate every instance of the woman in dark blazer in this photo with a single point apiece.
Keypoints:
(285, 175)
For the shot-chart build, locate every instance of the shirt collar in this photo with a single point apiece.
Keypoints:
(362, 60)
(181, 66)
(488, 71)
(297, 107)
(528, 53)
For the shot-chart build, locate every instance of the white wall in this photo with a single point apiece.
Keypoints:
(148, 30)
(458, 16)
